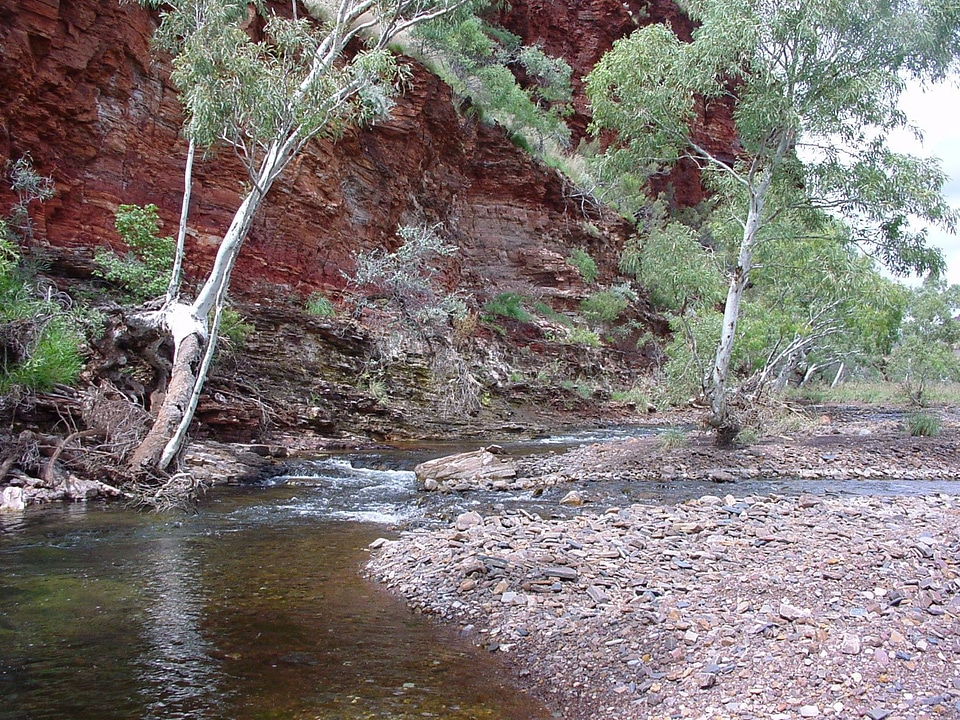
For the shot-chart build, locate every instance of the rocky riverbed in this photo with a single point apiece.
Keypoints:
(723, 606)
(720, 607)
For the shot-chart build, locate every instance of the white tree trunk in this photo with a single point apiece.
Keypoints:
(839, 375)
(173, 289)
(719, 411)
(194, 342)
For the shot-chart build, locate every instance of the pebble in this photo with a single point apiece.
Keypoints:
(468, 520)
(850, 645)
(644, 611)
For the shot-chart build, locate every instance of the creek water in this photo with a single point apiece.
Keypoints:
(254, 608)
(251, 608)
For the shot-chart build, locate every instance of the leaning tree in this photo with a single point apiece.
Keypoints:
(265, 95)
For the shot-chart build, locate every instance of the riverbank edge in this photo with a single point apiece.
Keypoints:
(719, 607)
(724, 606)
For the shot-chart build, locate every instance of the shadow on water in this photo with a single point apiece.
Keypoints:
(241, 611)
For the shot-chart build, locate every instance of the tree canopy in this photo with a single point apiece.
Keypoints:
(813, 86)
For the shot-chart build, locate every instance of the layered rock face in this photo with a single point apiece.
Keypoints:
(83, 94)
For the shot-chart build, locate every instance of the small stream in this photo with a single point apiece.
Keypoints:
(253, 607)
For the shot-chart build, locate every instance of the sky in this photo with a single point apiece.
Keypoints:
(937, 113)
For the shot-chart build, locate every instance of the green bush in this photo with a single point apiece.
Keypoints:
(54, 359)
(585, 264)
(673, 438)
(39, 340)
(605, 306)
(577, 336)
(144, 272)
(318, 304)
(508, 305)
(547, 312)
(407, 281)
(233, 328)
(923, 425)
(635, 395)
(28, 185)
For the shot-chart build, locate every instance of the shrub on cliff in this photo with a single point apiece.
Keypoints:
(144, 272)
(39, 340)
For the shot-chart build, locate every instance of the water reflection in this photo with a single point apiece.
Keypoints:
(180, 679)
(245, 611)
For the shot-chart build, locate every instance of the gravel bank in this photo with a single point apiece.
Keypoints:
(721, 607)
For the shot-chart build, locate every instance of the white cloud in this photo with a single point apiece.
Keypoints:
(936, 112)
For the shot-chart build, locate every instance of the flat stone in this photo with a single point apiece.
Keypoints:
(809, 711)
(560, 572)
(792, 612)
(468, 520)
(598, 594)
(850, 644)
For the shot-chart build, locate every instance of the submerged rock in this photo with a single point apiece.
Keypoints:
(12, 499)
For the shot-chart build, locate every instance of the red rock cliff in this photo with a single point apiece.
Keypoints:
(81, 92)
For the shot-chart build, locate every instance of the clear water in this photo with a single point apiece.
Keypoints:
(251, 608)
(254, 607)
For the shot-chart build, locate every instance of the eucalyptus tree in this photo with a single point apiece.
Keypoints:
(926, 352)
(265, 96)
(814, 87)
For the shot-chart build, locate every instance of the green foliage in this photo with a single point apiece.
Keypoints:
(508, 305)
(39, 340)
(54, 359)
(874, 392)
(685, 354)
(28, 185)
(234, 328)
(576, 336)
(476, 60)
(581, 389)
(318, 304)
(142, 273)
(926, 353)
(923, 425)
(814, 89)
(251, 92)
(821, 75)
(673, 438)
(677, 269)
(547, 312)
(586, 265)
(40, 337)
(605, 306)
(635, 395)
